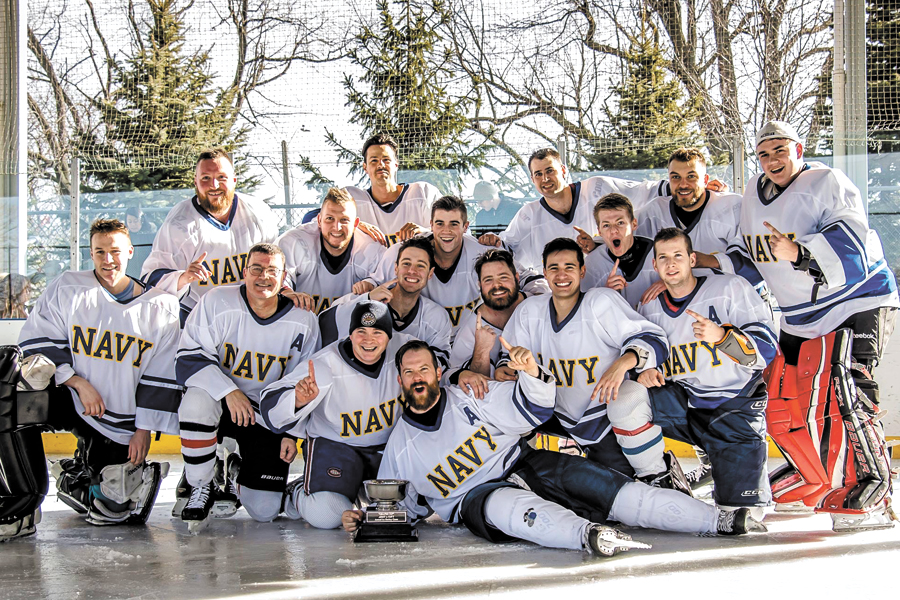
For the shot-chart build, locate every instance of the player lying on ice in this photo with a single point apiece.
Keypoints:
(466, 460)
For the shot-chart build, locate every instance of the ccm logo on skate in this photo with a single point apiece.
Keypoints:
(751, 493)
(334, 472)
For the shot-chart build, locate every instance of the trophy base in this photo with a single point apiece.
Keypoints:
(386, 532)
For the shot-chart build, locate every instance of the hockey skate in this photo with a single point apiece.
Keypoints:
(196, 511)
(880, 518)
(20, 528)
(289, 490)
(606, 541)
(152, 478)
(226, 500)
(182, 494)
(672, 478)
(738, 522)
(702, 475)
(72, 483)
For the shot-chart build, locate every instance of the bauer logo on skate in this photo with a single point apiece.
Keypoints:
(125, 346)
(223, 271)
(460, 467)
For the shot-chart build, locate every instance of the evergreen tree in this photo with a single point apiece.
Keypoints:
(404, 93)
(161, 111)
(650, 121)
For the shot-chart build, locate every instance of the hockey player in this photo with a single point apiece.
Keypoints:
(466, 460)
(476, 350)
(390, 212)
(624, 262)
(237, 340)
(710, 391)
(564, 208)
(203, 242)
(113, 343)
(589, 341)
(344, 401)
(327, 259)
(804, 227)
(411, 314)
(455, 283)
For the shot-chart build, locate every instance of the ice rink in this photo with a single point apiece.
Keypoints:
(239, 558)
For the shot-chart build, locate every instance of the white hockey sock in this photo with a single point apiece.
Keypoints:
(661, 508)
(632, 421)
(261, 505)
(322, 509)
(525, 515)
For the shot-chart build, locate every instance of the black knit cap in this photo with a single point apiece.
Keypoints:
(372, 314)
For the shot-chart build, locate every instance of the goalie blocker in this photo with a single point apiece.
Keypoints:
(827, 429)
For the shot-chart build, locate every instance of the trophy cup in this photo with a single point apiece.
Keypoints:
(384, 520)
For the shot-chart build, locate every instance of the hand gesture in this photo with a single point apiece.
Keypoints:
(306, 389)
(607, 388)
(655, 289)
(138, 447)
(410, 230)
(350, 519)
(706, 330)
(520, 359)
(383, 292)
(717, 186)
(288, 450)
(240, 408)
(616, 281)
(484, 336)
(782, 246)
(651, 378)
(362, 287)
(300, 299)
(373, 232)
(196, 271)
(472, 383)
(490, 239)
(585, 240)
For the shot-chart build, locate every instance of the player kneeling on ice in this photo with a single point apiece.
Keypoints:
(113, 344)
(466, 460)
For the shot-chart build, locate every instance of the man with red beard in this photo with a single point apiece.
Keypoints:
(203, 242)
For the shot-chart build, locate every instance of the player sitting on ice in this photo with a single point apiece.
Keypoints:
(466, 459)
(710, 391)
(113, 343)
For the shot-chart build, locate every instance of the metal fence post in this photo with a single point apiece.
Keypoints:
(739, 160)
(75, 215)
(561, 148)
(286, 174)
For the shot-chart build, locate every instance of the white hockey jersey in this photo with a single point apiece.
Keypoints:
(537, 223)
(413, 206)
(714, 230)
(579, 349)
(599, 264)
(225, 346)
(457, 289)
(427, 321)
(710, 376)
(464, 343)
(125, 349)
(822, 211)
(474, 442)
(308, 270)
(355, 406)
(189, 231)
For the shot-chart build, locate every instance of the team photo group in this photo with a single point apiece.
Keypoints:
(386, 341)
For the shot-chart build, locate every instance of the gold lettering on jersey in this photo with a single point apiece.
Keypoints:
(247, 368)
(392, 238)
(563, 369)
(83, 339)
(378, 417)
(468, 462)
(456, 312)
(759, 249)
(322, 303)
(225, 270)
(683, 358)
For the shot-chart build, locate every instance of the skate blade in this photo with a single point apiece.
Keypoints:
(180, 503)
(755, 526)
(855, 523)
(195, 527)
(223, 510)
(632, 545)
(793, 507)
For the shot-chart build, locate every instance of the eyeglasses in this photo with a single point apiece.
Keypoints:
(257, 270)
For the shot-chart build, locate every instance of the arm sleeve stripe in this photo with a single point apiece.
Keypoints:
(153, 277)
(189, 365)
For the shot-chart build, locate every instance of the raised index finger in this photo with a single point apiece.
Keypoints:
(772, 229)
(505, 344)
(312, 372)
(478, 322)
(200, 259)
(615, 267)
(695, 315)
(581, 231)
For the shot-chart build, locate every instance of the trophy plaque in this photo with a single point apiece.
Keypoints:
(384, 520)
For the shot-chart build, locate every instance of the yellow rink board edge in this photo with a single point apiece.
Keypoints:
(64, 443)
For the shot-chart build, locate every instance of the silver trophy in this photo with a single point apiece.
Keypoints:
(384, 520)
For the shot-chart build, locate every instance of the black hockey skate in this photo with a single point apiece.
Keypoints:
(672, 478)
(73, 483)
(702, 475)
(227, 502)
(607, 541)
(196, 511)
(738, 522)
